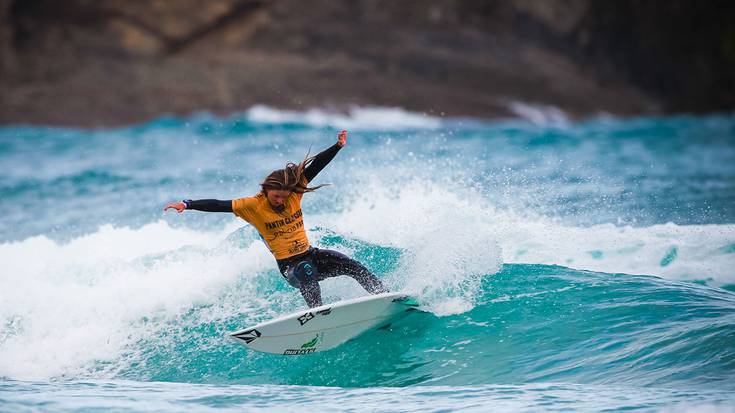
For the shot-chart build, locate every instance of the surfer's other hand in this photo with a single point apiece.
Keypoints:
(342, 138)
(178, 206)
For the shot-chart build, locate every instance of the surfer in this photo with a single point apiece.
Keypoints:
(276, 213)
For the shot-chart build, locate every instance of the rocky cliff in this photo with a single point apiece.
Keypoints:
(111, 62)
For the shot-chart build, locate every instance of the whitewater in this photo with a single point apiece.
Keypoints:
(563, 265)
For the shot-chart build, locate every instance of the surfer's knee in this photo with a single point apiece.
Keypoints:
(301, 273)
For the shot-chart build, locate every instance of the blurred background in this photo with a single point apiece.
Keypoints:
(113, 62)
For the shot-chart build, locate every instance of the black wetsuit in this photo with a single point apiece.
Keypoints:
(327, 263)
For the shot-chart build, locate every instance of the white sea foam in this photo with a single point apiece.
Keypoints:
(540, 115)
(448, 245)
(425, 218)
(357, 118)
(66, 306)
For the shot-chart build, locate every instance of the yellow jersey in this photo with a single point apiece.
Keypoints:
(283, 232)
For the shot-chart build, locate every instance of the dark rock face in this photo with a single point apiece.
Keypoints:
(109, 62)
(680, 51)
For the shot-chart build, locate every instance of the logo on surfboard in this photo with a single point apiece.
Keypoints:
(306, 348)
(308, 316)
(248, 336)
(305, 318)
(298, 352)
(313, 342)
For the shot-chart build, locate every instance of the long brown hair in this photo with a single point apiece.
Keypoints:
(291, 178)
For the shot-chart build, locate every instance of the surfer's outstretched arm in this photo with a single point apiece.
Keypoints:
(324, 157)
(206, 205)
(215, 205)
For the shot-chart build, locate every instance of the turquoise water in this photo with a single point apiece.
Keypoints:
(583, 266)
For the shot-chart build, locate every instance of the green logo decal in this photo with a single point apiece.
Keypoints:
(311, 343)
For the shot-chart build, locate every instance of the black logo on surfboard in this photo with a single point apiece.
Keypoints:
(308, 316)
(298, 352)
(326, 311)
(305, 318)
(248, 336)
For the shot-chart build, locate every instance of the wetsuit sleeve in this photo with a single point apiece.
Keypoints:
(209, 205)
(320, 161)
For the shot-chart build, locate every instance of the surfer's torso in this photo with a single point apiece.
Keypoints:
(283, 232)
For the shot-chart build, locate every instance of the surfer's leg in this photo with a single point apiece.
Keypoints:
(308, 284)
(312, 293)
(332, 263)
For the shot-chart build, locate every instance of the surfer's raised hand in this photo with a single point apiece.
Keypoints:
(178, 206)
(342, 138)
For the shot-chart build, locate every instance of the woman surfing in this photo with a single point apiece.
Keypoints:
(276, 213)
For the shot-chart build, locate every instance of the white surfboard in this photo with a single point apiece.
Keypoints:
(323, 328)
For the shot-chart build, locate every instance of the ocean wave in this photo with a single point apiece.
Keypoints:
(155, 303)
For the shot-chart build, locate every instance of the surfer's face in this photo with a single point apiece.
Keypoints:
(277, 197)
